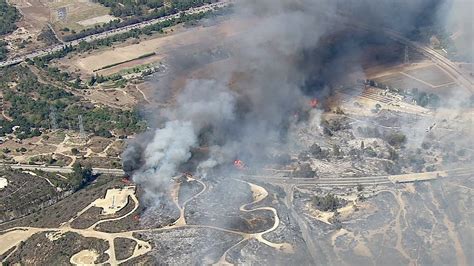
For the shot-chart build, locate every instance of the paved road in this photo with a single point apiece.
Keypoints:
(324, 181)
(354, 181)
(63, 169)
(451, 68)
(109, 33)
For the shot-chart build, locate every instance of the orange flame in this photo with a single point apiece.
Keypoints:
(313, 103)
(239, 164)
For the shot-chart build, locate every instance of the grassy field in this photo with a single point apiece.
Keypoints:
(430, 74)
(426, 77)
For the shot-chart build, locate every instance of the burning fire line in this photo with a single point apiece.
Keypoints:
(239, 164)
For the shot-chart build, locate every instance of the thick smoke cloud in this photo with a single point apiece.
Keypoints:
(295, 50)
(456, 17)
(202, 103)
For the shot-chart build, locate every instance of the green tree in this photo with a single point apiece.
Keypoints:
(74, 151)
(326, 203)
(81, 175)
(8, 16)
(396, 138)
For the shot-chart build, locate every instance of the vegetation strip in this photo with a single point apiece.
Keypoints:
(126, 61)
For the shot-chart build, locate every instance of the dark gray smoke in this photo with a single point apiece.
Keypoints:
(456, 17)
(294, 51)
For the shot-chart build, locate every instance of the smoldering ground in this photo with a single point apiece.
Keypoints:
(294, 51)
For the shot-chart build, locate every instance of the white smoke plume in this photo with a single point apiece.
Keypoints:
(292, 52)
(202, 103)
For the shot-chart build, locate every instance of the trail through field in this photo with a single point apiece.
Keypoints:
(13, 237)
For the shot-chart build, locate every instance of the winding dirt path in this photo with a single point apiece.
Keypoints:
(14, 236)
(258, 194)
(134, 199)
(181, 221)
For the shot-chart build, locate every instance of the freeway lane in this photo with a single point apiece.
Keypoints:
(64, 169)
(109, 33)
(325, 181)
(367, 180)
(449, 67)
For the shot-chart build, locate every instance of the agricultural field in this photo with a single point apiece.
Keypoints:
(432, 75)
(71, 14)
(424, 76)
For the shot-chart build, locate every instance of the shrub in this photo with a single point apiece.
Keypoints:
(327, 203)
(396, 138)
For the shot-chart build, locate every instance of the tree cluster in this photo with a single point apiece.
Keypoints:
(425, 99)
(395, 138)
(327, 203)
(305, 171)
(31, 103)
(81, 175)
(8, 16)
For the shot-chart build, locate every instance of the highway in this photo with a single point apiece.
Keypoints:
(323, 181)
(109, 33)
(451, 68)
(330, 182)
(365, 181)
(63, 169)
(444, 63)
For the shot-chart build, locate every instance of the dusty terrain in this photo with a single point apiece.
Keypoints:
(15, 235)
(394, 228)
(35, 13)
(79, 14)
(396, 170)
(163, 46)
